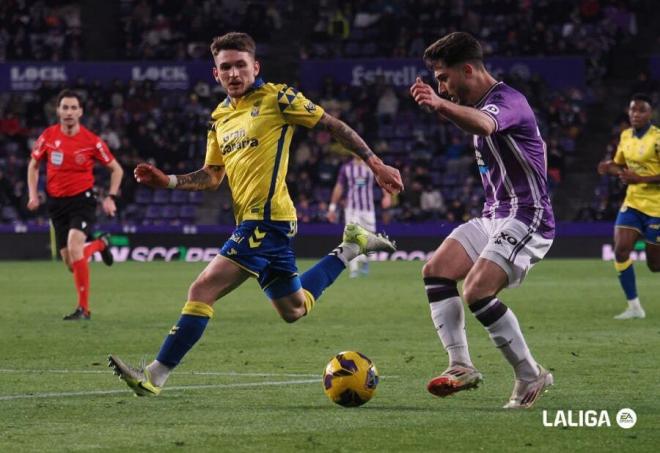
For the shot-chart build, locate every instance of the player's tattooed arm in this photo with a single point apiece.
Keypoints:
(345, 135)
(387, 177)
(207, 178)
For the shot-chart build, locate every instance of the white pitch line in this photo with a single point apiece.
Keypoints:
(180, 387)
(201, 373)
(178, 373)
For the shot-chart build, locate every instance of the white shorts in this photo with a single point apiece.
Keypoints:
(506, 242)
(366, 219)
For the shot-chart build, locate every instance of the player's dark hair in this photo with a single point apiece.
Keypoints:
(454, 48)
(642, 97)
(66, 93)
(233, 41)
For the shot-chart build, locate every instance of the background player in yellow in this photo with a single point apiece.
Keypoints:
(248, 141)
(637, 164)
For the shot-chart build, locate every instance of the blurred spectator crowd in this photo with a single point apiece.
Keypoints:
(139, 123)
(182, 29)
(386, 28)
(51, 30)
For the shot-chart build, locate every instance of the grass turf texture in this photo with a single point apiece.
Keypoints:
(56, 393)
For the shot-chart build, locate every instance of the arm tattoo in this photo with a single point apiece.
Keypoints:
(201, 179)
(345, 135)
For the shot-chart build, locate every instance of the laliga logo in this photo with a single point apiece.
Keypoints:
(625, 418)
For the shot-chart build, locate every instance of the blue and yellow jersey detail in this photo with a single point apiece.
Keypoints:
(641, 155)
(250, 136)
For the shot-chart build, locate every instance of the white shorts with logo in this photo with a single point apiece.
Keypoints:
(506, 242)
(366, 219)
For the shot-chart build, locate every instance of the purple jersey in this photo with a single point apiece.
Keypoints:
(513, 162)
(358, 182)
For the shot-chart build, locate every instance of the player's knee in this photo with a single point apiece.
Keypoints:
(430, 270)
(621, 254)
(472, 292)
(199, 289)
(293, 315)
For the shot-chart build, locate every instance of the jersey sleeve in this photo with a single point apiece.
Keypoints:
(297, 109)
(102, 152)
(619, 158)
(505, 113)
(39, 148)
(213, 152)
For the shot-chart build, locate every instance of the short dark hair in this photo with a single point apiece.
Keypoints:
(642, 97)
(454, 48)
(66, 93)
(233, 41)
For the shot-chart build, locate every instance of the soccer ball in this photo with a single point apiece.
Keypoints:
(350, 379)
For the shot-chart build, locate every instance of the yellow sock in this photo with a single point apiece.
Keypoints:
(620, 267)
(197, 309)
(309, 300)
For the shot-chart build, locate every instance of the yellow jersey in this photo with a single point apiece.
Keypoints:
(250, 136)
(641, 155)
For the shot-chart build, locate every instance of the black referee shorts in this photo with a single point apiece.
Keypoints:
(78, 211)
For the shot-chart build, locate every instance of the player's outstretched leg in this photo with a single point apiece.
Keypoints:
(138, 379)
(148, 381)
(367, 241)
(356, 241)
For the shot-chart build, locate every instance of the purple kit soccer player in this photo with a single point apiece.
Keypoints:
(515, 230)
(357, 181)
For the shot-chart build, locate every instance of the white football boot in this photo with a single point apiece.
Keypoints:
(525, 393)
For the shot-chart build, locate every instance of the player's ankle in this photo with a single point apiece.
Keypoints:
(158, 373)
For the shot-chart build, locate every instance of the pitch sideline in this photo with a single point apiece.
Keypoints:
(173, 388)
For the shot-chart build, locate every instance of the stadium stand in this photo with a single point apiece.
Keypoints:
(140, 124)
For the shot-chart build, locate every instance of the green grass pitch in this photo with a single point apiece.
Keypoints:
(253, 382)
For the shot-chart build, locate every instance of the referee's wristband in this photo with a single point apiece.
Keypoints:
(332, 207)
(172, 182)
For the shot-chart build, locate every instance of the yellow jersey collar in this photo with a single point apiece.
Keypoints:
(258, 83)
(639, 133)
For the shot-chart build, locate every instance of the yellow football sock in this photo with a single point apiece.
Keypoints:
(197, 309)
(620, 267)
(309, 300)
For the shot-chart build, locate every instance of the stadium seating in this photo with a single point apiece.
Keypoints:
(140, 119)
